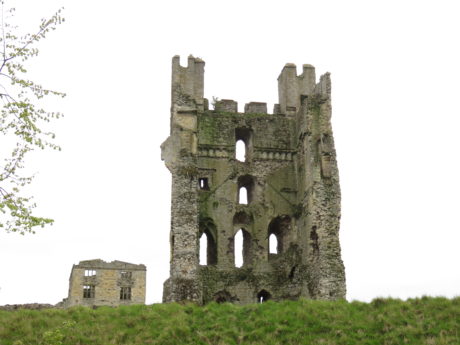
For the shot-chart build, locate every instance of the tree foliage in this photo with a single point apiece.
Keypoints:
(22, 120)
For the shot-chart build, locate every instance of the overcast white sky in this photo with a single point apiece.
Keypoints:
(396, 118)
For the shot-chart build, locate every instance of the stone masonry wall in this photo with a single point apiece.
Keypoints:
(291, 178)
(107, 281)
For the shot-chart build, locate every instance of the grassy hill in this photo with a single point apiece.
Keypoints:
(423, 320)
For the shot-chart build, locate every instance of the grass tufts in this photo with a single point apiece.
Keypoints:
(426, 320)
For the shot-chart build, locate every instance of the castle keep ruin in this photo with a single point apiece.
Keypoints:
(285, 188)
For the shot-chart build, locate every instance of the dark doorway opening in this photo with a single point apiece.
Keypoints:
(263, 296)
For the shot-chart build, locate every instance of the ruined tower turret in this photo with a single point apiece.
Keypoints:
(291, 184)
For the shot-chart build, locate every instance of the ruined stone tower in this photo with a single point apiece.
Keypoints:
(291, 180)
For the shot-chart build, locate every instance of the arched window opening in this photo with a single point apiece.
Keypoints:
(243, 137)
(240, 150)
(273, 244)
(280, 228)
(207, 242)
(239, 248)
(263, 296)
(243, 196)
(242, 246)
(246, 185)
(203, 249)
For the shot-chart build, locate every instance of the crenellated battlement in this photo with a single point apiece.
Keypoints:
(231, 106)
(187, 88)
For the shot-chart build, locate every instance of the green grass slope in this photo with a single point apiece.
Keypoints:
(383, 321)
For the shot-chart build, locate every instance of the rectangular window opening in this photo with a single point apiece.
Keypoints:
(125, 293)
(90, 273)
(89, 291)
(203, 183)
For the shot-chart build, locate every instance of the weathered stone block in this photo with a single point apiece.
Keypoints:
(255, 107)
(226, 105)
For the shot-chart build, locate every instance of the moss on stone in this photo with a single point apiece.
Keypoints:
(188, 171)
